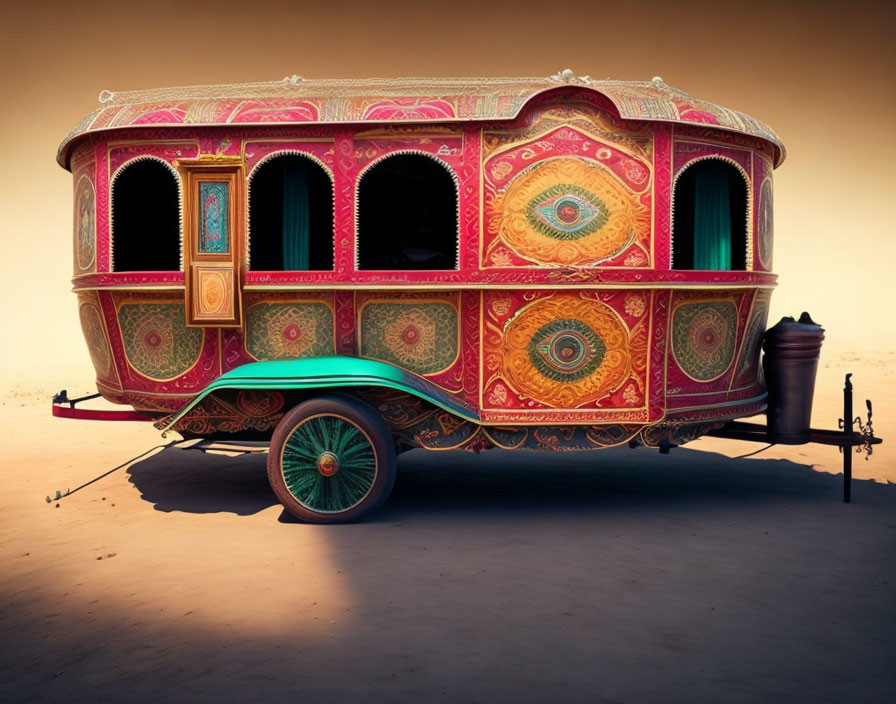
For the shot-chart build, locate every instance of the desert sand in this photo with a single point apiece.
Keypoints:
(615, 575)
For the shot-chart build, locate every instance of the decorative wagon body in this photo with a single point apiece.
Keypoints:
(555, 263)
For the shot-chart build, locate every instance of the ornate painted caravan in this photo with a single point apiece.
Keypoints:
(361, 267)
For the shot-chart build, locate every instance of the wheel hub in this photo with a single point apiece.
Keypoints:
(327, 464)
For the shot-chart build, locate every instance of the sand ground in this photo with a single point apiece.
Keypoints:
(618, 575)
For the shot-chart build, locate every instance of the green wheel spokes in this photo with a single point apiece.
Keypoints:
(308, 464)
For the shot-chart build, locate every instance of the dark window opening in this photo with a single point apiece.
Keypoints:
(290, 216)
(407, 215)
(145, 219)
(710, 218)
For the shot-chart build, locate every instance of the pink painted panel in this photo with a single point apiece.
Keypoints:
(685, 152)
(704, 344)
(662, 189)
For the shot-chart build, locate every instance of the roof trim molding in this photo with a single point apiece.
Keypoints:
(300, 101)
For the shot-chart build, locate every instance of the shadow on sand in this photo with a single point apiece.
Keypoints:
(609, 576)
(502, 482)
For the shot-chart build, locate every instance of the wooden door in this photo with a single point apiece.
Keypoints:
(214, 231)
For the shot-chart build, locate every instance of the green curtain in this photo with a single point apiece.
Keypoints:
(296, 216)
(712, 217)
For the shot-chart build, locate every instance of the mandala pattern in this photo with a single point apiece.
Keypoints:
(566, 351)
(157, 342)
(94, 333)
(766, 224)
(85, 224)
(569, 211)
(566, 212)
(419, 337)
(289, 330)
(703, 338)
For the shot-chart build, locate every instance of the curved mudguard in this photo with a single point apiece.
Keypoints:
(329, 373)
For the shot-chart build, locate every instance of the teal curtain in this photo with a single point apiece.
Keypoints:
(296, 216)
(712, 217)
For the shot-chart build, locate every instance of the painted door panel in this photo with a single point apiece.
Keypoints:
(214, 218)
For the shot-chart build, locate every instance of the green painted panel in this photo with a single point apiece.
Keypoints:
(703, 338)
(328, 373)
(566, 350)
(419, 336)
(214, 226)
(157, 341)
(289, 330)
(566, 212)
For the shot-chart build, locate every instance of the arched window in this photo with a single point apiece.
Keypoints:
(407, 215)
(145, 218)
(290, 215)
(710, 217)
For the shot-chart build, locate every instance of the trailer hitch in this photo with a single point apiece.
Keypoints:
(64, 407)
(845, 438)
(62, 397)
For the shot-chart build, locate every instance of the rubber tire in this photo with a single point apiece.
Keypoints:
(366, 418)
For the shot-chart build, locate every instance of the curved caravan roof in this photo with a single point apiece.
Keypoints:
(296, 100)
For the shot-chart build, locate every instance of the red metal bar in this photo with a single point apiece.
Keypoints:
(86, 414)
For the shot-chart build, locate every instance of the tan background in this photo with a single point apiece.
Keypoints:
(819, 75)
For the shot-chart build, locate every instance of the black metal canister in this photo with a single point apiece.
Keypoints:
(792, 348)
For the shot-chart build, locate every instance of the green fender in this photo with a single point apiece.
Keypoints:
(328, 373)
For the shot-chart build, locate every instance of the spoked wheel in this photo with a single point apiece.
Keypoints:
(332, 460)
